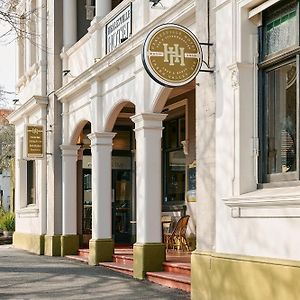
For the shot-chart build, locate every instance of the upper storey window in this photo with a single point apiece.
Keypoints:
(280, 28)
(279, 90)
(86, 10)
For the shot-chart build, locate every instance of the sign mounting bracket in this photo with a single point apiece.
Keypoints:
(206, 63)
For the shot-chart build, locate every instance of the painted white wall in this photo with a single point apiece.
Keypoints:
(251, 227)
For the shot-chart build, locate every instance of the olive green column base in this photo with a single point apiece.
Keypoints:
(31, 242)
(148, 258)
(100, 251)
(231, 277)
(69, 244)
(52, 245)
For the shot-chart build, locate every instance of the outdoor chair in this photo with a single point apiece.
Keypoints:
(176, 239)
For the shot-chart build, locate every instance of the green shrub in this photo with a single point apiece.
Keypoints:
(7, 221)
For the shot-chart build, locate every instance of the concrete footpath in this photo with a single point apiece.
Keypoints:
(28, 276)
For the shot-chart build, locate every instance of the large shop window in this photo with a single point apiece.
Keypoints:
(174, 161)
(279, 113)
(31, 182)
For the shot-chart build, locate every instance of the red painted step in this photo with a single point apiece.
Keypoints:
(83, 252)
(119, 267)
(172, 280)
(123, 259)
(178, 268)
(176, 274)
(80, 258)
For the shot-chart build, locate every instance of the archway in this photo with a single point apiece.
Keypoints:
(123, 173)
(179, 154)
(84, 182)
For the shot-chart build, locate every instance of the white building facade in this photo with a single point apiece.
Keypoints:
(120, 150)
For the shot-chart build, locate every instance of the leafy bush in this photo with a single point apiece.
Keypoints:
(2, 212)
(7, 221)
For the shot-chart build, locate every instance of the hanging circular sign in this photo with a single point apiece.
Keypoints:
(172, 55)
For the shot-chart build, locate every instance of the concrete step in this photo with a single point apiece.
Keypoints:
(172, 280)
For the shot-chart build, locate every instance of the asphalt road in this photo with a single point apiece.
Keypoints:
(28, 276)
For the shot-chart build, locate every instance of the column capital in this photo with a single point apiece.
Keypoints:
(101, 138)
(148, 121)
(69, 150)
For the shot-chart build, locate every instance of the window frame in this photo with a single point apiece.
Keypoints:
(31, 182)
(265, 65)
(166, 152)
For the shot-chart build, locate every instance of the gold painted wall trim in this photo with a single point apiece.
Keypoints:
(52, 245)
(233, 277)
(100, 251)
(31, 242)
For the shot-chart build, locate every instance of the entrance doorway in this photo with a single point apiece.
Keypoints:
(122, 204)
(123, 199)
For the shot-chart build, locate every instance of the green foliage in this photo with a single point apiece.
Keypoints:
(7, 146)
(7, 221)
(2, 212)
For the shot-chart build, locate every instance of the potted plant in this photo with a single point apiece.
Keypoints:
(7, 223)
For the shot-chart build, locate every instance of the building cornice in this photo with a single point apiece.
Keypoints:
(35, 102)
(130, 48)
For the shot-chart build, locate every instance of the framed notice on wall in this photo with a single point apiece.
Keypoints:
(191, 182)
(34, 141)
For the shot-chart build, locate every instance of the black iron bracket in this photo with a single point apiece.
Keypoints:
(208, 69)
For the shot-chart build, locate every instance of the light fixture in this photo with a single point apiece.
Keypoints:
(66, 72)
(155, 2)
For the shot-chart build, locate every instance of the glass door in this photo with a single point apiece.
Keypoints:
(122, 200)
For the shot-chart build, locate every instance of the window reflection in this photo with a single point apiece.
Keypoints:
(281, 111)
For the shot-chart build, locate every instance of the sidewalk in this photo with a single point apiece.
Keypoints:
(28, 276)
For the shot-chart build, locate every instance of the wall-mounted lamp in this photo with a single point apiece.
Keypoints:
(155, 2)
(66, 72)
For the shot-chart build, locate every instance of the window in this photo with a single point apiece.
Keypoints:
(31, 182)
(174, 160)
(115, 3)
(90, 9)
(279, 115)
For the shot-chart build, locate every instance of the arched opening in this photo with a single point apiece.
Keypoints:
(84, 184)
(179, 156)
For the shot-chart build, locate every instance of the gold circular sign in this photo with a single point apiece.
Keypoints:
(172, 55)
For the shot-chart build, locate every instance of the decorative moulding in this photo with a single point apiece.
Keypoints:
(28, 212)
(285, 205)
(109, 61)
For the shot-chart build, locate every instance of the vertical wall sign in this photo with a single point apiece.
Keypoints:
(34, 141)
(119, 29)
(172, 55)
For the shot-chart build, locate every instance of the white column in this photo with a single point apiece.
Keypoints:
(69, 23)
(20, 170)
(101, 146)
(69, 189)
(103, 7)
(148, 133)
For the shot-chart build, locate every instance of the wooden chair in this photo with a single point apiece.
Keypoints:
(177, 239)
